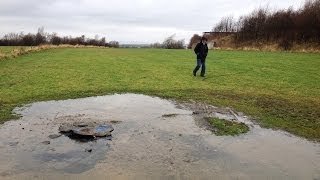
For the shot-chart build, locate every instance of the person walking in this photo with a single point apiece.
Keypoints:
(201, 51)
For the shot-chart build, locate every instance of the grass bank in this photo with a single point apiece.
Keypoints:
(7, 52)
(281, 90)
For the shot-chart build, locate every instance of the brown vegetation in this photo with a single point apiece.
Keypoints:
(284, 26)
(26, 50)
(272, 30)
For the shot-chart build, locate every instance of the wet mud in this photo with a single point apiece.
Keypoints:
(152, 139)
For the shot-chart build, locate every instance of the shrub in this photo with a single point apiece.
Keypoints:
(41, 37)
(171, 43)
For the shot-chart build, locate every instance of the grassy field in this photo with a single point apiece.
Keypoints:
(281, 90)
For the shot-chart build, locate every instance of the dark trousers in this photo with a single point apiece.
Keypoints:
(200, 63)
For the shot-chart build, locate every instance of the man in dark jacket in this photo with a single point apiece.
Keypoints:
(201, 51)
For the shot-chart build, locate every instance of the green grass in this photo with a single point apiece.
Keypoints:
(281, 90)
(224, 128)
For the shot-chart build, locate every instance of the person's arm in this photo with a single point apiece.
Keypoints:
(196, 49)
(206, 51)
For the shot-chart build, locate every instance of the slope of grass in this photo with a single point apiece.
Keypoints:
(281, 90)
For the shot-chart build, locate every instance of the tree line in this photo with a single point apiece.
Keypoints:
(170, 43)
(284, 26)
(41, 37)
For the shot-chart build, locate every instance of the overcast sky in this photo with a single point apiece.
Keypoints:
(127, 21)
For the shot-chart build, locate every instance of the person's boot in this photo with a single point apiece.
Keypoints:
(194, 73)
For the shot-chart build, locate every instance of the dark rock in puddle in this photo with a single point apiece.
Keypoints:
(169, 115)
(66, 128)
(187, 160)
(89, 150)
(115, 122)
(83, 124)
(97, 131)
(46, 142)
(54, 136)
(86, 131)
(80, 138)
(13, 143)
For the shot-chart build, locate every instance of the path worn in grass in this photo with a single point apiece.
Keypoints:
(282, 90)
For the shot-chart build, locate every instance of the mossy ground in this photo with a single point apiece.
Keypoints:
(224, 128)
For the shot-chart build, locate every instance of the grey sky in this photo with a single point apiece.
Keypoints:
(128, 21)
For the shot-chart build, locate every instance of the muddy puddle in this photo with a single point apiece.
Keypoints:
(152, 139)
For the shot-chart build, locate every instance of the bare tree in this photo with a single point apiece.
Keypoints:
(171, 43)
(282, 26)
(156, 45)
(226, 24)
(40, 36)
(114, 44)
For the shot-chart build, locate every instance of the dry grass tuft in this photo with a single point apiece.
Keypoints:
(19, 51)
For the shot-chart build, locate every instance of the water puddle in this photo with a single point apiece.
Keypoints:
(152, 139)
